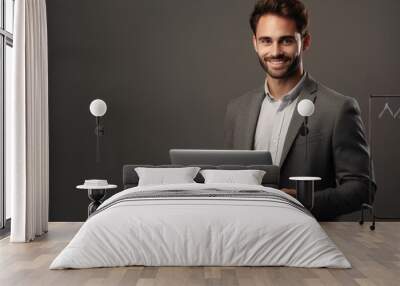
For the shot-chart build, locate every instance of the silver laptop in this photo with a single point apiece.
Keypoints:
(219, 157)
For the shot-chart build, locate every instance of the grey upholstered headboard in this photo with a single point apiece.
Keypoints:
(271, 178)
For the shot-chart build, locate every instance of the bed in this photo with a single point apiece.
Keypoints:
(201, 224)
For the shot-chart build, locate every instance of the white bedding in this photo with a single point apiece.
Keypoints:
(200, 231)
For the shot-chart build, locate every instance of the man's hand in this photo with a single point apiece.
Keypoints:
(291, 192)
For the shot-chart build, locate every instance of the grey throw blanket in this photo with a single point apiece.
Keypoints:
(206, 194)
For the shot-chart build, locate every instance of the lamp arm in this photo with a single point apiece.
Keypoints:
(99, 131)
(306, 134)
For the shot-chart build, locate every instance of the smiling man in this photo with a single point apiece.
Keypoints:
(267, 118)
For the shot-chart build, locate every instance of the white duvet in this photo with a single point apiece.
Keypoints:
(200, 231)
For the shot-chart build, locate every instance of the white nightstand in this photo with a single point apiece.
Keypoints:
(96, 195)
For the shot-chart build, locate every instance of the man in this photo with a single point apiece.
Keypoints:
(267, 118)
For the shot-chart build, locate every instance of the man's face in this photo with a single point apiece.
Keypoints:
(279, 46)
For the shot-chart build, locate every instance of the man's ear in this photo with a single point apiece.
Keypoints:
(255, 43)
(306, 42)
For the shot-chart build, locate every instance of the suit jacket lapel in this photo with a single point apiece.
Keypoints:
(252, 118)
(308, 92)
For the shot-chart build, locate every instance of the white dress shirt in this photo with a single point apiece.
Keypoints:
(274, 119)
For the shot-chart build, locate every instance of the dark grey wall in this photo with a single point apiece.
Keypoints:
(168, 68)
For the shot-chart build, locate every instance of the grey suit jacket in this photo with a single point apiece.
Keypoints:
(337, 152)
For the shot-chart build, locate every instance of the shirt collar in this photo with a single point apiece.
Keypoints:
(290, 96)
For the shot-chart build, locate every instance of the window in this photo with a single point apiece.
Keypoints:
(6, 60)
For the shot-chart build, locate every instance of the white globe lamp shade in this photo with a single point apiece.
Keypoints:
(98, 107)
(306, 107)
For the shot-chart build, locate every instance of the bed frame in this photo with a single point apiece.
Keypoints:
(130, 178)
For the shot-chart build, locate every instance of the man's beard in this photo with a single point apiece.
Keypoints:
(283, 74)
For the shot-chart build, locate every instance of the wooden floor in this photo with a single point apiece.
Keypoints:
(375, 256)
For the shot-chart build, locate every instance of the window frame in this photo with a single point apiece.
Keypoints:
(6, 39)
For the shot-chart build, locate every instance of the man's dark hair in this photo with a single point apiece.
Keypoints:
(292, 9)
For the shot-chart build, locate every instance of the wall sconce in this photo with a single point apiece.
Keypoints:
(98, 108)
(305, 108)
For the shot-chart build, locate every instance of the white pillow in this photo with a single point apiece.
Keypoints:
(164, 176)
(248, 177)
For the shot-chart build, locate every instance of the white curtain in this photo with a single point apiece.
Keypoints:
(27, 141)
